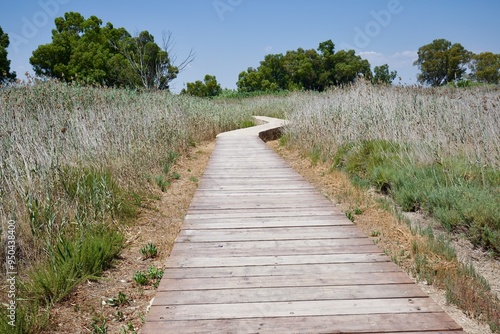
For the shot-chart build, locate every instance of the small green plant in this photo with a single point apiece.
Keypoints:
(375, 233)
(155, 274)
(166, 168)
(350, 215)
(129, 329)
(358, 211)
(119, 316)
(140, 278)
(121, 300)
(162, 183)
(99, 325)
(172, 156)
(175, 176)
(193, 179)
(149, 251)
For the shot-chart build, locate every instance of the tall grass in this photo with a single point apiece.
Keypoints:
(435, 150)
(436, 123)
(73, 161)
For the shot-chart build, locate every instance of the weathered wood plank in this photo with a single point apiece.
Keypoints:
(210, 283)
(278, 233)
(194, 297)
(261, 213)
(207, 224)
(310, 270)
(293, 309)
(205, 262)
(265, 248)
(366, 323)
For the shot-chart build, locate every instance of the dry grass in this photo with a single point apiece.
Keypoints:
(437, 123)
(434, 150)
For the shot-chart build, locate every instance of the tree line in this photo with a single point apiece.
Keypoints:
(86, 51)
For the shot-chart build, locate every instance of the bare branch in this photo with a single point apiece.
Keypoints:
(169, 47)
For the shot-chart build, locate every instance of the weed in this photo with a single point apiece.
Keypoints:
(99, 326)
(149, 251)
(175, 176)
(120, 316)
(140, 278)
(162, 183)
(193, 179)
(166, 168)
(121, 300)
(350, 215)
(153, 276)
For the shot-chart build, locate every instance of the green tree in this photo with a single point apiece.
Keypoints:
(382, 75)
(5, 73)
(441, 62)
(84, 50)
(348, 66)
(208, 88)
(486, 68)
(305, 69)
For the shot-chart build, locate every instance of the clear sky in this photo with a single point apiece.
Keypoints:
(228, 36)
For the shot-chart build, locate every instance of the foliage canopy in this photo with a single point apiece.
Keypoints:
(305, 70)
(84, 50)
(208, 88)
(5, 73)
(442, 62)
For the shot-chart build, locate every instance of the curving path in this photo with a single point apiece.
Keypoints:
(262, 251)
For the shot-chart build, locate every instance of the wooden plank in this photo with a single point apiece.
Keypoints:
(271, 197)
(279, 233)
(288, 294)
(265, 248)
(207, 224)
(210, 283)
(292, 270)
(261, 213)
(256, 205)
(293, 309)
(274, 260)
(366, 323)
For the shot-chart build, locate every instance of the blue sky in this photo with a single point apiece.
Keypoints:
(228, 36)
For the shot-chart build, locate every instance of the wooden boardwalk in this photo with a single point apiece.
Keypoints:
(262, 251)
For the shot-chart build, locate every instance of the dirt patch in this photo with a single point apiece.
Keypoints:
(391, 235)
(88, 309)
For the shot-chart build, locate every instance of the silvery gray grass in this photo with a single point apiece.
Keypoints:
(436, 123)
